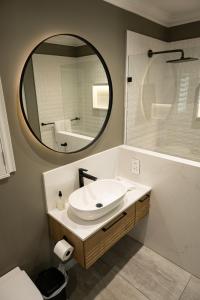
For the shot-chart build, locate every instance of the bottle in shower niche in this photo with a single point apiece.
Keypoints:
(60, 201)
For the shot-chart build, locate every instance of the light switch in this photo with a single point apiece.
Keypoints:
(135, 166)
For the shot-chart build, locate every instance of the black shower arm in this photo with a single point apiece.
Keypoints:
(151, 53)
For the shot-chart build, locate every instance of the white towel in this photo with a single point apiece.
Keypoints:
(130, 185)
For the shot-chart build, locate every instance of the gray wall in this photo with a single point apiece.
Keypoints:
(185, 31)
(23, 223)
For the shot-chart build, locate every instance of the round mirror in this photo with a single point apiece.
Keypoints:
(66, 93)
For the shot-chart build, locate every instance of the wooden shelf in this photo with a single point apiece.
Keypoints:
(87, 252)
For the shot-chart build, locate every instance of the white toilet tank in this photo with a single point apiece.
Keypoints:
(16, 285)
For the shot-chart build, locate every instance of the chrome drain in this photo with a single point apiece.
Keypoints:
(99, 205)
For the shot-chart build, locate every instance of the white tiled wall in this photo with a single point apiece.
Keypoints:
(139, 130)
(64, 91)
(47, 76)
(101, 165)
(171, 128)
(69, 87)
(88, 71)
(91, 72)
(171, 229)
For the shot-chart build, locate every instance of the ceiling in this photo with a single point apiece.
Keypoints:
(65, 40)
(165, 12)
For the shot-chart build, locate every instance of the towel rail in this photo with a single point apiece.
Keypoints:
(75, 119)
(53, 123)
(50, 123)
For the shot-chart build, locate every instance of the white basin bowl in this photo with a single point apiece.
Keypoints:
(97, 198)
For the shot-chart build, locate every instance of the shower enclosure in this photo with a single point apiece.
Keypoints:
(163, 96)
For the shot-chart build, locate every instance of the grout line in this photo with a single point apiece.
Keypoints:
(185, 287)
(163, 256)
(121, 275)
(117, 272)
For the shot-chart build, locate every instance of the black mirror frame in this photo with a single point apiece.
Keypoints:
(110, 93)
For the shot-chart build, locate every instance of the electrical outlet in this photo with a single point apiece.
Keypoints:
(135, 166)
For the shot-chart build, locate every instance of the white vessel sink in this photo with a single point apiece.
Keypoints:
(97, 198)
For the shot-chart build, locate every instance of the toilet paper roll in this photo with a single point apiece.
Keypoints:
(63, 250)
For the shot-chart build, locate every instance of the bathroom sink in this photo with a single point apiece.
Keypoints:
(97, 198)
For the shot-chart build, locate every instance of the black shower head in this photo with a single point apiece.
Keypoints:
(182, 60)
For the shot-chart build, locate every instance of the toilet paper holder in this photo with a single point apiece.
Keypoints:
(63, 249)
(64, 238)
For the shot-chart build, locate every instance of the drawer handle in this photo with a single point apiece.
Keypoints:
(117, 219)
(143, 199)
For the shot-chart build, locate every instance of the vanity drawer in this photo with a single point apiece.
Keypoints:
(105, 238)
(142, 208)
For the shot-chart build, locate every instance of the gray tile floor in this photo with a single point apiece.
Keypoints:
(130, 271)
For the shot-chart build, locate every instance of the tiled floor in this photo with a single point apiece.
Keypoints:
(130, 271)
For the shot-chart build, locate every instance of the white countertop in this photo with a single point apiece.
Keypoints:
(84, 229)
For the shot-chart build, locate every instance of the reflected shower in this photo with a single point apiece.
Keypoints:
(150, 53)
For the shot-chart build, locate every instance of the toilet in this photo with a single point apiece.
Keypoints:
(16, 285)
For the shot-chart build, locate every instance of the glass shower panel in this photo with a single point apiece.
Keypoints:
(163, 104)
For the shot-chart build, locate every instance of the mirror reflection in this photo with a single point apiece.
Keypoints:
(66, 93)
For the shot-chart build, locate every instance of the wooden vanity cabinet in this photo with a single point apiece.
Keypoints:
(87, 252)
(142, 208)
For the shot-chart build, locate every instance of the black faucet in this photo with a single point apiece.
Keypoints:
(82, 174)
